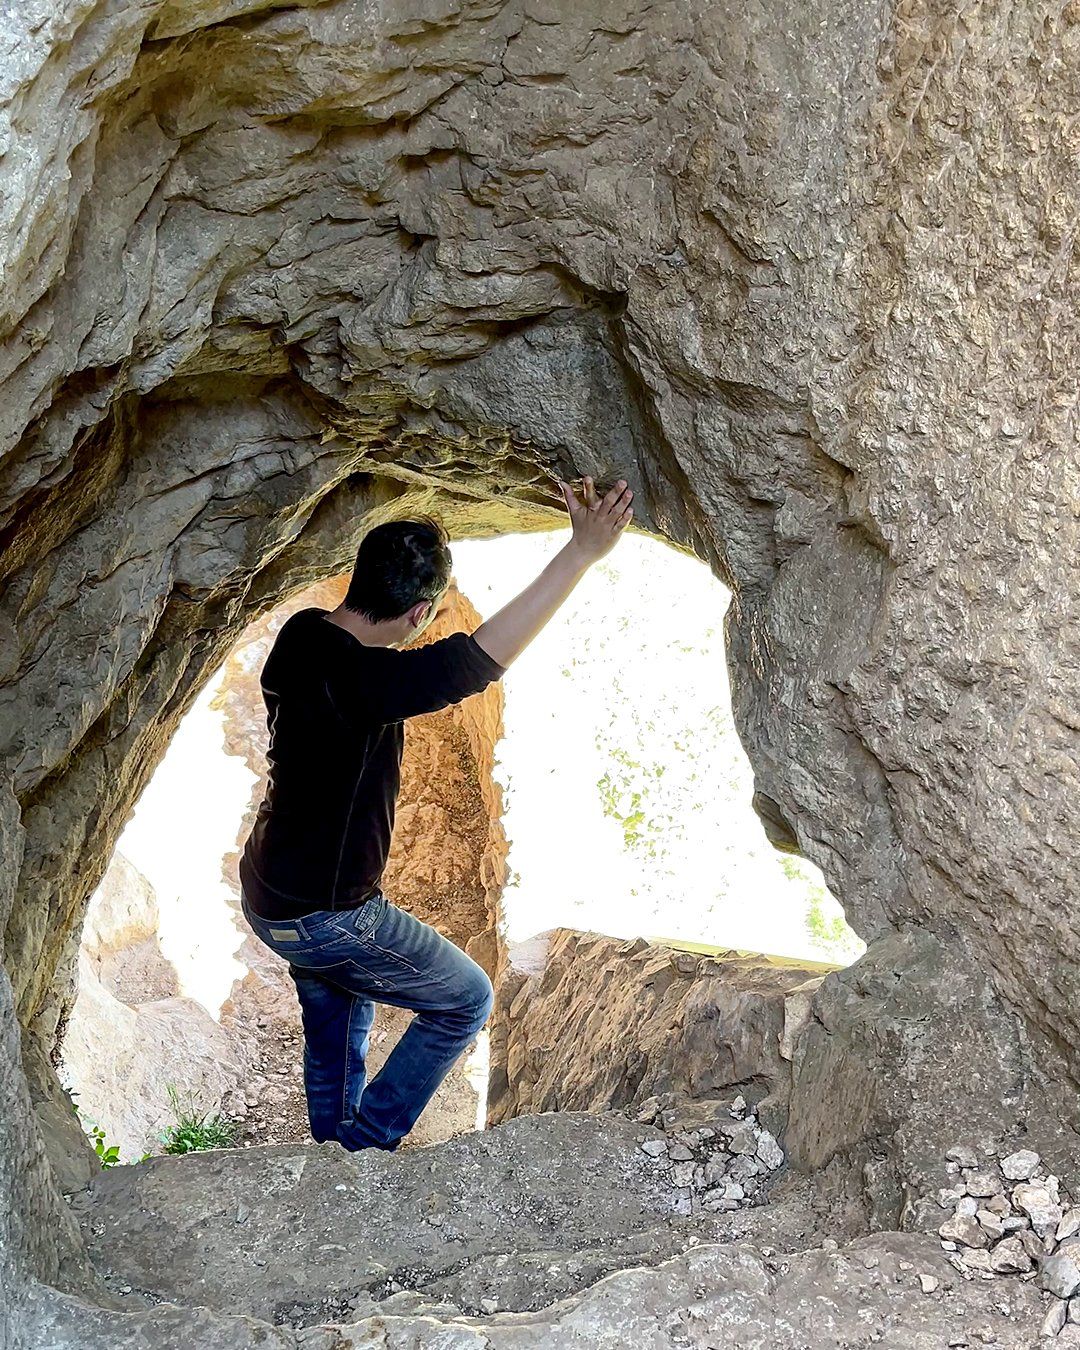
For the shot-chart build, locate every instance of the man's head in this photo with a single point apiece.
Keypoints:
(401, 574)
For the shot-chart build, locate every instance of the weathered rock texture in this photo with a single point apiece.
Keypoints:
(805, 274)
(549, 1230)
(588, 1022)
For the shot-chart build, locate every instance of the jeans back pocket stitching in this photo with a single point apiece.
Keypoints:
(391, 955)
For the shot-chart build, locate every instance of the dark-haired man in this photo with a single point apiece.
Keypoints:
(338, 686)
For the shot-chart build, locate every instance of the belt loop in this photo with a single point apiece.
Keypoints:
(301, 929)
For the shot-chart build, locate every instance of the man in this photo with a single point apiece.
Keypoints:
(337, 688)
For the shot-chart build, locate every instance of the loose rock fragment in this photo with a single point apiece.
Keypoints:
(769, 1151)
(1055, 1318)
(1020, 1166)
(1037, 1203)
(648, 1112)
(966, 1229)
(682, 1174)
(741, 1138)
(1032, 1243)
(990, 1223)
(982, 1184)
(1010, 1258)
(1060, 1273)
(744, 1168)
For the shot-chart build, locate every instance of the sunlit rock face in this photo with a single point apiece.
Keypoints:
(803, 275)
(130, 1038)
(587, 1022)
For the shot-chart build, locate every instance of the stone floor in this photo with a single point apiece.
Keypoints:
(553, 1230)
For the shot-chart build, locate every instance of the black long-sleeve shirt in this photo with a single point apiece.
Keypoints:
(335, 708)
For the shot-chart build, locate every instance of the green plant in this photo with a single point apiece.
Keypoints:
(196, 1131)
(108, 1154)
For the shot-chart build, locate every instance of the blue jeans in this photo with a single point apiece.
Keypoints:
(343, 962)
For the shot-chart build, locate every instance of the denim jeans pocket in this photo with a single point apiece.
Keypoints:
(386, 942)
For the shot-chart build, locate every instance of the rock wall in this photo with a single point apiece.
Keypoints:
(587, 1022)
(804, 274)
(130, 1037)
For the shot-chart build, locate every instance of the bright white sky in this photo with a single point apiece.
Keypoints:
(626, 688)
(624, 691)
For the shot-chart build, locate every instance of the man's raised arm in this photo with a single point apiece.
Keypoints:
(597, 524)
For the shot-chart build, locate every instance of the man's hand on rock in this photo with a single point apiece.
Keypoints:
(597, 521)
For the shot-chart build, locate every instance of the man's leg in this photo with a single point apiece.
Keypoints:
(337, 1024)
(394, 1099)
(408, 963)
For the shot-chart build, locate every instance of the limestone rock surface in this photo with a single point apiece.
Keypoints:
(589, 1022)
(804, 275)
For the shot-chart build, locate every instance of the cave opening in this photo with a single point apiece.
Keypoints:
(600, 787)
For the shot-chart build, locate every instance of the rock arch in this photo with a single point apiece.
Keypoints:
(803, 275)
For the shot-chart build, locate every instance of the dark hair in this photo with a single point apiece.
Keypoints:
(398, 564)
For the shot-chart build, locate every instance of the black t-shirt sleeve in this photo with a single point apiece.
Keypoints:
(387, 684)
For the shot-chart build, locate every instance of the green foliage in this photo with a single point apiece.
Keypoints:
(195, 1131)
(825, 932)
(828, 932)
(649, 798)
(663, 782)
(108, 1154)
